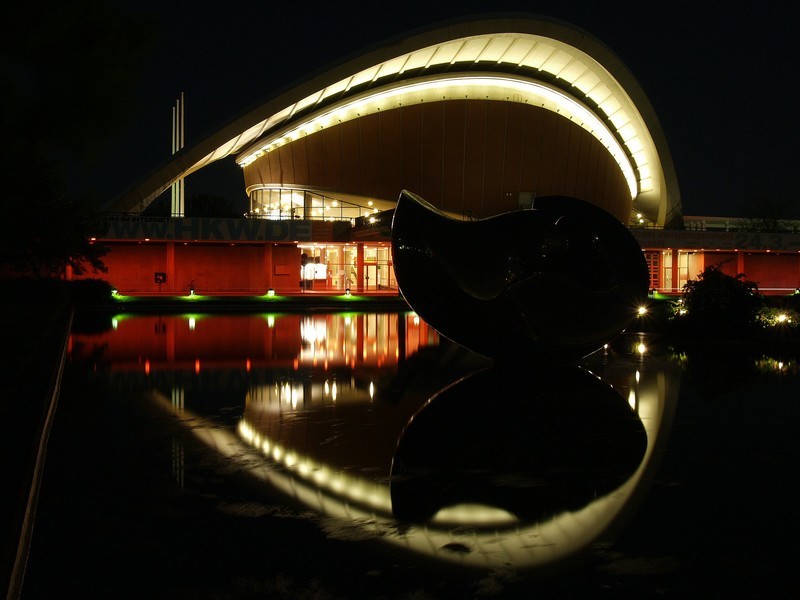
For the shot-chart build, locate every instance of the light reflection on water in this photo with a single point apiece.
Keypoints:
(327, 408)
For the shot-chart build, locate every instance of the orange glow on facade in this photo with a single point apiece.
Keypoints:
(250, 342)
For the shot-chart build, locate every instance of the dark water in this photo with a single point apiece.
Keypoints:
(361, 456)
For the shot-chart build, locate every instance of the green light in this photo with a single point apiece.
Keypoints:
(271, 296)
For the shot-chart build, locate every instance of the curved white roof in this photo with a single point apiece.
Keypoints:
(524, 59)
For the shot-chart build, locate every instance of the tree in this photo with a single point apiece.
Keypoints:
(66, 82)
(720, 306)
(47, 229)
(765, 214)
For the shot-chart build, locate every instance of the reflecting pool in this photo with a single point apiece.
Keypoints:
(352, 455)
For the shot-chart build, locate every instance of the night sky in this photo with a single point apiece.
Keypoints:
(721, 80)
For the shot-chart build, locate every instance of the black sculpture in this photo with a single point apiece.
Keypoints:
(552, 283)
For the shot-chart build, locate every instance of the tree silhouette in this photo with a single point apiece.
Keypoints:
(719, 305)
(66, 84)
(765, 213)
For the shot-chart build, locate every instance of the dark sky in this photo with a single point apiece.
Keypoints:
(721, 80)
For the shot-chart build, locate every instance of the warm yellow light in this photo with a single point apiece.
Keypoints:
(641, 348)
(483, 86)
(642, 310)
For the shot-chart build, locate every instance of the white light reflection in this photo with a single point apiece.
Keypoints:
(364, 501)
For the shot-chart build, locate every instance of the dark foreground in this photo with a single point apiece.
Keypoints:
(114, 522)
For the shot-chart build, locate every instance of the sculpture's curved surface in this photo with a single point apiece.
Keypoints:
(553, 283)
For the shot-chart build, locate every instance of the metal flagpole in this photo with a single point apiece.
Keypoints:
(178, 188)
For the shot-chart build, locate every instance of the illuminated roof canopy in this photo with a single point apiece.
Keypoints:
(524, 59)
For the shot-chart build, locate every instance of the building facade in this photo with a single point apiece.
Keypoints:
(479, 117)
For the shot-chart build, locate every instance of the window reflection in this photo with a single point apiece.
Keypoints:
(327, 340)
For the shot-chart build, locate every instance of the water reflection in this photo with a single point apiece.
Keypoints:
(374, 422)
(196, 341)
(551, 442)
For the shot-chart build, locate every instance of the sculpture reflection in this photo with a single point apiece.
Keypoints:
(503, 478)
(552, 441)
(553, 283)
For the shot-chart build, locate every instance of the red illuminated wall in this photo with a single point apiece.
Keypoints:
(131, 265)
(212, 268)
(220, 267)
(773, 270)
(767, 269)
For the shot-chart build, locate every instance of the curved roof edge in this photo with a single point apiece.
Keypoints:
(662, 206)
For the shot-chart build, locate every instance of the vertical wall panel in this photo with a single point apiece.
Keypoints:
(593, 161)
(275, 167)
(287, 167)
(390, 154)
(547, 158)
(300, 161)
(453, 169)
(513, 155)
(560, 154)
(495, 149)
(530, 165)
(370, 155)
(316, 159)
(432, 149)
(573, 155)
(411, 151)
(584, 149)
(351, 157)
(599, 194)
(474, 157)
(332, 151)
(252, 174)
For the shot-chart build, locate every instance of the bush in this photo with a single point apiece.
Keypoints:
(89, 291)
(719, 306)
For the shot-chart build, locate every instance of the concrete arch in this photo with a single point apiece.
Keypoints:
(508, 56)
